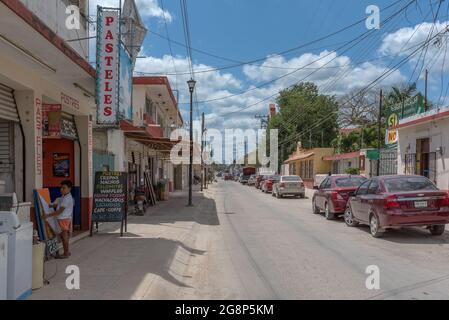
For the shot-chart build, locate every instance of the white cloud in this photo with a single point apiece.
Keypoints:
(411, 38)
(147, 8)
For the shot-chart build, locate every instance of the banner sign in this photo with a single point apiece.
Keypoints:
(399, 111)
(126, 85)
(51, 120)
(107, 79)
(110, 196)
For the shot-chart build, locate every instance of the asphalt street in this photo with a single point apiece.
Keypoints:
(279, 249)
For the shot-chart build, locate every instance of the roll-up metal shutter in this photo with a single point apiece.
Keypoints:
(8, 109)
(6, 155)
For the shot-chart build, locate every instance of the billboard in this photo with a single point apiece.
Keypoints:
(125, 110)
(399, 111)
(107, 79)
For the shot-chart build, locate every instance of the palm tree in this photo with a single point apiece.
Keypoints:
(398, 95)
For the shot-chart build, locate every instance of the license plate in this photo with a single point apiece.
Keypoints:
(420, 204)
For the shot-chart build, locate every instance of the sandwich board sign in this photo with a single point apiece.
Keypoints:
(110, 198)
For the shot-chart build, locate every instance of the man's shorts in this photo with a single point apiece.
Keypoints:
(65, 224)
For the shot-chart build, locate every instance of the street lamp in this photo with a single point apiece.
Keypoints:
(191, 84)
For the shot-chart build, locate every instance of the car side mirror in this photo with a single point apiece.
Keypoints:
(316, 187)
(352, 194)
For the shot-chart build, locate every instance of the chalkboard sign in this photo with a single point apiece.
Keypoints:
(110, 197)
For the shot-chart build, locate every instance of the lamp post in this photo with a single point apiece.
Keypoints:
(191, 84)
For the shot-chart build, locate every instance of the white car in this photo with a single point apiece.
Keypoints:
(289, 186)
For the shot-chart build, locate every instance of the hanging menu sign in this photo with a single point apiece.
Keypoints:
(110, 197)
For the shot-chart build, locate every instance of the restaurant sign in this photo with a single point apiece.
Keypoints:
(107, 79)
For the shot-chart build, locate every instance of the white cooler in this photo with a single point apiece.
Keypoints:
(20, 253)
(3, 265)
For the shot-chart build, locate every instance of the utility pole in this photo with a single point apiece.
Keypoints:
(203, 176)
(425, 91)
(263, 120)
(379, 124)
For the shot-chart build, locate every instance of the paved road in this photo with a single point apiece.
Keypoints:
(278, 249)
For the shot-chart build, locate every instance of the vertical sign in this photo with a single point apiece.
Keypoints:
(38, 128)
(126, 86)
(107, 80)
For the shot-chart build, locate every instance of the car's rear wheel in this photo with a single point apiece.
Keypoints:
(349, 218)
(437, 230)
(302, 195)
(278, 195)
(327, 214)
(374, 226)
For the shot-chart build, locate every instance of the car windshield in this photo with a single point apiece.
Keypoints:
(291, 178)
(349, 182)
(400, 184)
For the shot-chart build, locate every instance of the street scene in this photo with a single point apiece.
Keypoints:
(224, 151)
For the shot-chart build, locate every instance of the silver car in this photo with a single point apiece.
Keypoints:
(289, 186)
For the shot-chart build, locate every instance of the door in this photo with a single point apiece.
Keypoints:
(178, 177)
(58, 162)
(422, 157)
(368, 201)
(321, 196)
(356, 202)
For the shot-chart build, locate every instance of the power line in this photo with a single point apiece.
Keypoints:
(273, 95)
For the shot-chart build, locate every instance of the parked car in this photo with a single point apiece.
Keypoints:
(332, 194)
(228, 176)
(398, 201)
(259, 178)
(267, 185)
(251, 180)
(244, 178)
(289, 186)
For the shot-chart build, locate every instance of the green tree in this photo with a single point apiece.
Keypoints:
(305, 115)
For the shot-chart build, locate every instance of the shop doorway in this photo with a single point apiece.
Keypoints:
(178, 177)
(59, 165)
(422, 157)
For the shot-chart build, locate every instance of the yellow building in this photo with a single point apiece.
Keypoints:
(308, 162)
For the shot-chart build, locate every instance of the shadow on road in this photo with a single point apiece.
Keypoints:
(412, 235)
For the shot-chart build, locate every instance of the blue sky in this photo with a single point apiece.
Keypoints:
(248, 29)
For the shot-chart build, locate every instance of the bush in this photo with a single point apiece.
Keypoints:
(352, 171)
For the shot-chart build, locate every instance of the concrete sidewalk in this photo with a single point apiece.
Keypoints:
(158, 258)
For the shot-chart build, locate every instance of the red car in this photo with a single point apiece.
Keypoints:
(398, 201)
(267, 184)
(333, 194)
(258, 181)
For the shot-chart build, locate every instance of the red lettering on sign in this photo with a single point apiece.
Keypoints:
(109, 47)
(107, 111)
(107, 99)
(109, 20)
(109, 60)
(108, 74)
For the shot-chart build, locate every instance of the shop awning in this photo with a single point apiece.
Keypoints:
(143, 136)
(299, 157)
(342, 156)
